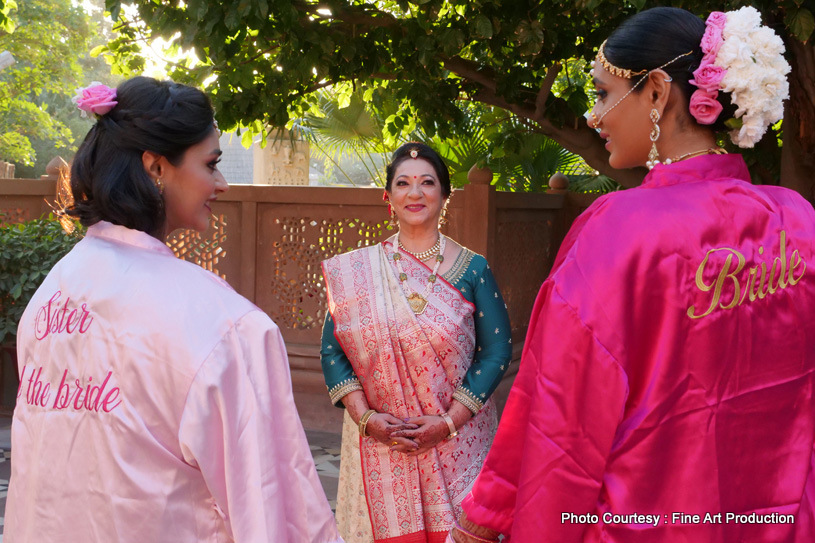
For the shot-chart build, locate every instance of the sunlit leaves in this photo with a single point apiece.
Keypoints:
(265, 59)
(6, 23)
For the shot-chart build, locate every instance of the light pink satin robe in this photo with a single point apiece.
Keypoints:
(155, 405)
(650, 385)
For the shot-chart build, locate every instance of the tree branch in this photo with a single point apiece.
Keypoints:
(472, 71)
(382, 75)
(546, 88)
(260, 54)
(312, 88)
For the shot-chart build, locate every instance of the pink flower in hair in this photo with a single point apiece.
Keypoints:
(708, 77)
(96, 98)
(717, 19)
(712, 42)
(704, 106)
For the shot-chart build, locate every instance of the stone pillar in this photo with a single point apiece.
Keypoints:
(282, 162)
(6, 170)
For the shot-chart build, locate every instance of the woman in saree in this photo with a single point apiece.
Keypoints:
(417, 339)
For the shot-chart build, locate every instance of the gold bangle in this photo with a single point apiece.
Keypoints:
(363, 422)
(467, 533)
(450, 424)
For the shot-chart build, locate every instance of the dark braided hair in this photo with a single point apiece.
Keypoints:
(108, 179)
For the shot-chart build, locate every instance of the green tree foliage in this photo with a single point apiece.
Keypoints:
(6, 24)
(50, 42)
(347, 133)
(28, 251)
(270, 56)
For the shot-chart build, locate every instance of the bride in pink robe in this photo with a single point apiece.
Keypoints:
(667, 385)
(155, 403)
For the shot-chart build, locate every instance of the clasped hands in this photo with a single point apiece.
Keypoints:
(412, 436)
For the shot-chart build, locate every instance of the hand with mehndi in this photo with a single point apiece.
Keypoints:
(428, 431)
(387, 429)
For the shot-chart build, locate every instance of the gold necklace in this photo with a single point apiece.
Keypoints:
(416, 301)
(424, 255)
(710, 151)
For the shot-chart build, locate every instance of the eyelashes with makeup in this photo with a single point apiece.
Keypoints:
(402, 183)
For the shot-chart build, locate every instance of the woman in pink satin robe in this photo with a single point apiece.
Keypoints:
(155, 403)
(667, 387)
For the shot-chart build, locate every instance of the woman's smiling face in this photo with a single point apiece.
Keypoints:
(193, 185)
(416, 195)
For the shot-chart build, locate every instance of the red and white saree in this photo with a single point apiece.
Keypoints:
(409, 365)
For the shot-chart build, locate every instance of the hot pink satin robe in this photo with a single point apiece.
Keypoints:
(654, 382)
(155, 405)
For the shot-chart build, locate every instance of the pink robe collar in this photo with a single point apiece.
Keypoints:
(700, 168)
(122, 234)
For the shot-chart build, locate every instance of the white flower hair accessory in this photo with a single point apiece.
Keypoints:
(752, 57)
(97, 99)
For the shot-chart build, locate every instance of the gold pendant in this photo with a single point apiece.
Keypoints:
(417, 303)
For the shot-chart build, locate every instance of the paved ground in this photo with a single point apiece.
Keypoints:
(325, 448)
(5, 466)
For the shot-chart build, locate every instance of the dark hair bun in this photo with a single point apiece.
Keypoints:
(655, 36)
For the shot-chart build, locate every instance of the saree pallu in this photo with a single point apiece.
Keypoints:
(408, 365)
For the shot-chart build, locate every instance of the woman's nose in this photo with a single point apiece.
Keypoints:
(220, 183)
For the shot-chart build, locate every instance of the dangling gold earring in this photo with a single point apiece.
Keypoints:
(394, 222)
(160, 185)
(443, 216)
(653, 155)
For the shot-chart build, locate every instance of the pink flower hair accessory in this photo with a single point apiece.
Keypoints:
(708, 77)
(97, 99)
(705, 107)
(745, 59)
(704, 104)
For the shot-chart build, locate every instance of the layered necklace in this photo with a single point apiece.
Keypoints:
(424, 255)
(416, 301)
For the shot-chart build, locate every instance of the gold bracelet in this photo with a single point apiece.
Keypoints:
(363, 422)
(457, 526)
(450, 424)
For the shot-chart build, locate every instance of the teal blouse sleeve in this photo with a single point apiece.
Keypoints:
(493, 336)
(340, 378)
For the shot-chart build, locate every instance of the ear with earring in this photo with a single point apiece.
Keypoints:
(393, 220)
(443, 216)
(653, 154)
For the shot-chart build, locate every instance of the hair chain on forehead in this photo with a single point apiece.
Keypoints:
(611, 68)
(624, 73)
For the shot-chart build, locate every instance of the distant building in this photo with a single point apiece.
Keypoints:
(278, 163)
(237, 163)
